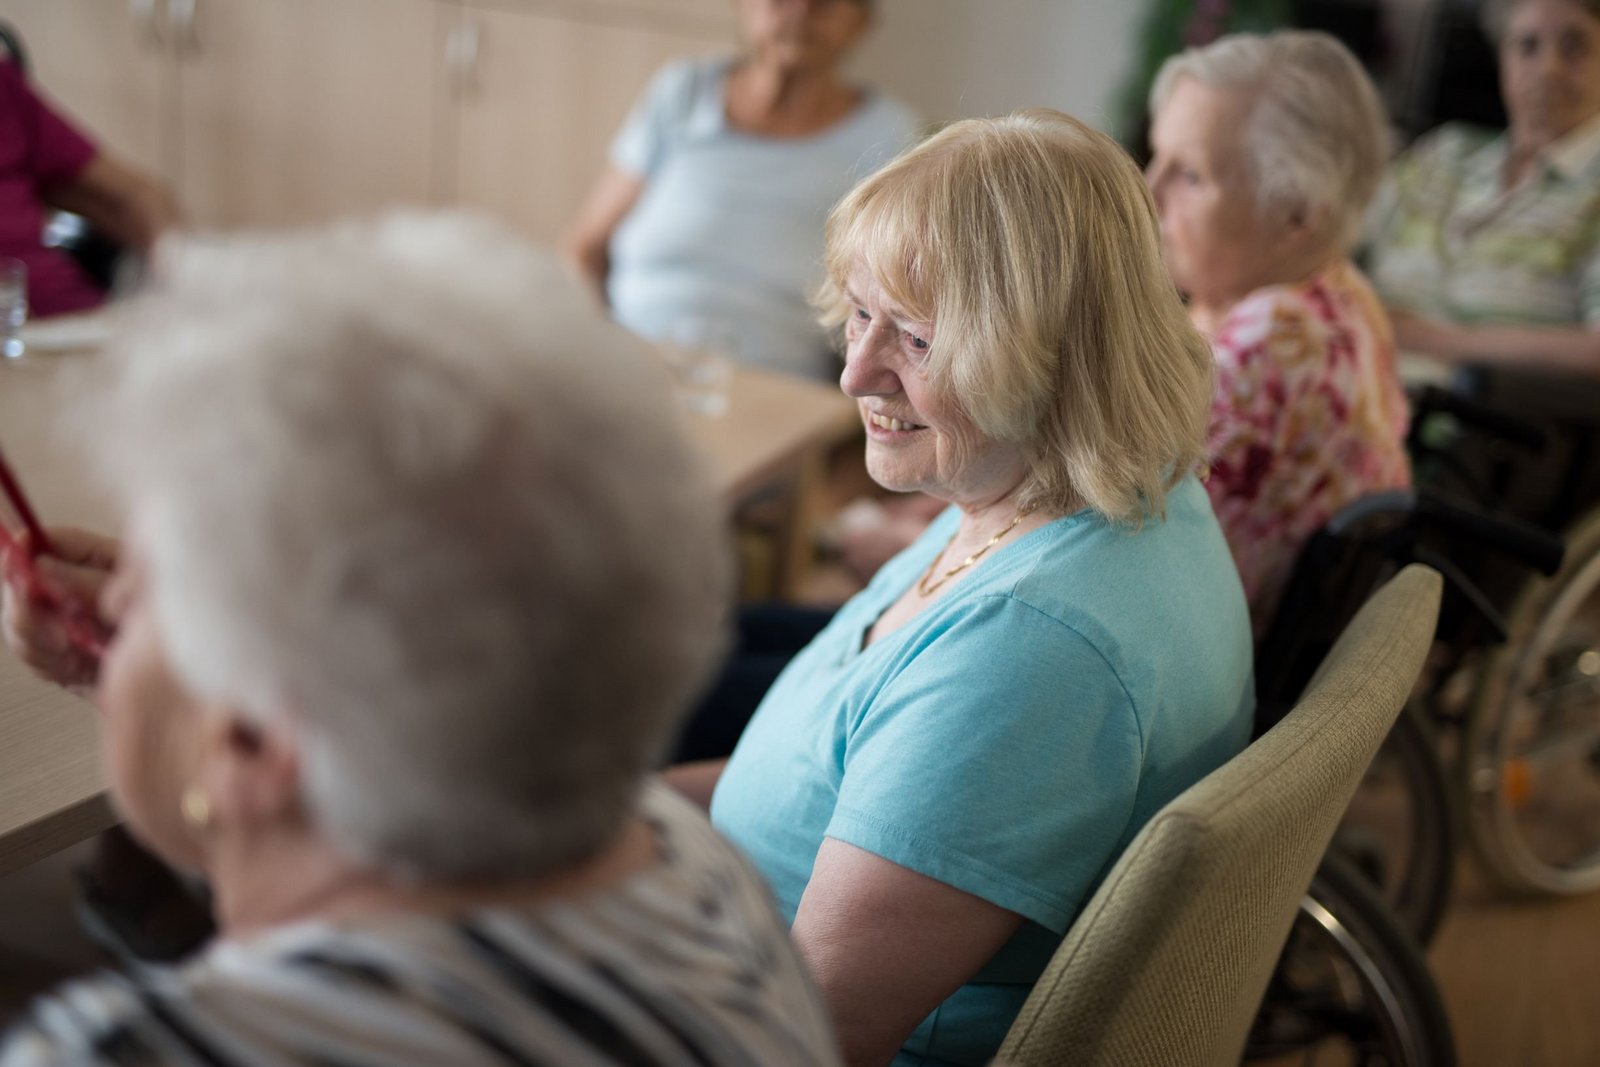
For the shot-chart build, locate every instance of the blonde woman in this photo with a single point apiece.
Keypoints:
(935, 784)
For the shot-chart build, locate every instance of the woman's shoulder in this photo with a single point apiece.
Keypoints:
(102, 1009)
(680, 85)
(890, 114)
(1269, 321)
(1290, 323)
(1442, 150)
(311, 991)
(1086, 567)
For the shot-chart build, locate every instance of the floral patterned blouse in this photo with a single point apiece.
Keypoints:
(1308, 415)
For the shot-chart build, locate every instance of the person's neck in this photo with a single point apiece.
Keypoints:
(284, 877)
(766, 96)
(1208, 311)
(986, 517)
(1524, 151)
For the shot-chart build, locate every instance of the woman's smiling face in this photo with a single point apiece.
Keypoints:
(918, 438)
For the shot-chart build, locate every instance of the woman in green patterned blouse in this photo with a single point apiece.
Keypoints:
(1487, 248)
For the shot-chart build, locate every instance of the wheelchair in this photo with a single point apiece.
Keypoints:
(1511, 695)
(1352, 976)
(1527, 775)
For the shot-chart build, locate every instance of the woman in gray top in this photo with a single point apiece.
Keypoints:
(718, 185)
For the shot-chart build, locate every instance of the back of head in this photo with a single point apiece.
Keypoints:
(399, 487)
(1031, 243)
(1318, 137)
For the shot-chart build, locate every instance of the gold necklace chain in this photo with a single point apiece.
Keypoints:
(928, 589)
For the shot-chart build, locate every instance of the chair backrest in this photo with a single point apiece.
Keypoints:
(1168, 962)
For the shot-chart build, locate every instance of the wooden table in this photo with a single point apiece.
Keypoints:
(52, 791)
(777, 426)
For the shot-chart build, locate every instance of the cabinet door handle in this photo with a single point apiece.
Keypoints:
(461, 57)
(180, 24)
(143, 13)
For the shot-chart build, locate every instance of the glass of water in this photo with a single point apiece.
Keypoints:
(13, 305)
(700, 351)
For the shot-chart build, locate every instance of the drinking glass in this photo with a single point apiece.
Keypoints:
(700, 350)
(13, 305)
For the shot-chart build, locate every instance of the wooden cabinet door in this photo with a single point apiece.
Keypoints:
(105, 64)
(296, 111)
(541, 95)
(706, 16)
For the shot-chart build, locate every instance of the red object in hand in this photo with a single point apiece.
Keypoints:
(17, 518)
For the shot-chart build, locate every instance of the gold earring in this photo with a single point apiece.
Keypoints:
(195, 807)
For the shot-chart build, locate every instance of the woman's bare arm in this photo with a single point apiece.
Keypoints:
(128, 205)
(587, 245)
(886, 945)
(1567, 350)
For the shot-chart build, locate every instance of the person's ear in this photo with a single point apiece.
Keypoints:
(250, 772)
(1303, 223)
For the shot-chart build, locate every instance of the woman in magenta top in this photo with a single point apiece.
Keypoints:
(46, 163)
(1267, 151)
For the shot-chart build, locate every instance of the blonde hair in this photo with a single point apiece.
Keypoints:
(1316, 140)
(1031, 243)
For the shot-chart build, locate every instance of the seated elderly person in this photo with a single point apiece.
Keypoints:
(709, 217)
(1485, 246)
(1267, 150)
(417, 575)
(935, 784)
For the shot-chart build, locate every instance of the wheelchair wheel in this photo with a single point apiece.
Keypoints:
(1351, 986)
(1399, 829)
(1531, 767)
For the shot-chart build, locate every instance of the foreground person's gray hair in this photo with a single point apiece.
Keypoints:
(400, 487)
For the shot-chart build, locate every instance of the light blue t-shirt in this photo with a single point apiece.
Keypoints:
(730, 224)
(1011, 738)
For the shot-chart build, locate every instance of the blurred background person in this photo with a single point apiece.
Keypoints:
(416, 577)
(1268, 149)
(46, 163)
(936, 783)
(1486, 246)
(720, 181)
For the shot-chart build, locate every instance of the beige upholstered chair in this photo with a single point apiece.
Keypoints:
(1168, 962)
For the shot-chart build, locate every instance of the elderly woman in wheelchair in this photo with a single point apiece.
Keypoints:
(1267, 150)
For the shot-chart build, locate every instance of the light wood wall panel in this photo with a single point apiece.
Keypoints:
(547, 94)
(294, 111)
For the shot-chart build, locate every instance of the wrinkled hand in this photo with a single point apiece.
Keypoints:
(42, 610)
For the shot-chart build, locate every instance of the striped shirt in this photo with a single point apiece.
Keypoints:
(1448, 241)
(685, 963)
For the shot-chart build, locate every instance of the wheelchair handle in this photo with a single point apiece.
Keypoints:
(1431, 399)
(1521, 541)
